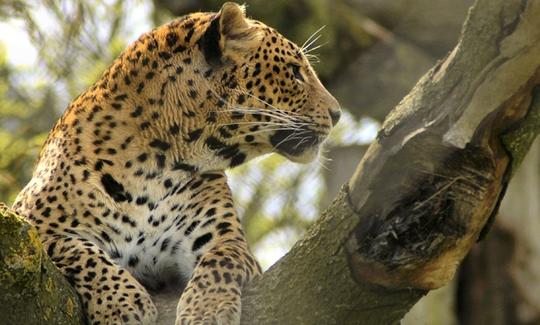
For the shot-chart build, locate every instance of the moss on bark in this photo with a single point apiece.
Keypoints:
(33, 290)
(519, 138)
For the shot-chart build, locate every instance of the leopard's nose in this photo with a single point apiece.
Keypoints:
(335, 114)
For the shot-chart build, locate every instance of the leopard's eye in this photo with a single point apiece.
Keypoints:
(296, 71)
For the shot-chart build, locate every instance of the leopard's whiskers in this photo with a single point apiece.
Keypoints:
(310, 39)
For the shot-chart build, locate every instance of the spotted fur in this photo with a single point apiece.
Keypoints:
(130, 193)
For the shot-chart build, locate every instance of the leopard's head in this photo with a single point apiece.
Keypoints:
(273, 95)
(252, 90)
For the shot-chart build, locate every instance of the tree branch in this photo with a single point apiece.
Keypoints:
(426, 187)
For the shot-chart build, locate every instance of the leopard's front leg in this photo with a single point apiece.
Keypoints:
(213, 293)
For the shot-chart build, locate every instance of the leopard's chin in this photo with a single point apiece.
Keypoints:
(307, 156)
(301, 145)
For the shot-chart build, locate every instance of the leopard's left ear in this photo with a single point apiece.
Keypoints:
(229, 34)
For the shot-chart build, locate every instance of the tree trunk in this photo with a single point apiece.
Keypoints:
(421, 196)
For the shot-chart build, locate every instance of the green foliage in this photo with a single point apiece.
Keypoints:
(271, 196)
(87, 36)
(22, 118)
(519, 138)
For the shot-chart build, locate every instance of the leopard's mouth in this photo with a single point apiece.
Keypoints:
(298, 145)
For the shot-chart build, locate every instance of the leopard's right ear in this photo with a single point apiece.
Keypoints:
(230, 34)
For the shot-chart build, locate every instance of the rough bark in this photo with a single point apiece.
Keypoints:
(423, 192)
(32, 289)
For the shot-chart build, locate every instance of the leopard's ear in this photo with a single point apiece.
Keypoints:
(232, 19)
(229, 34)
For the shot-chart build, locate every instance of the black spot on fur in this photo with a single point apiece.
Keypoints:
(224, 132)
(101, 162)
(171, 38)
(194, 135)
(210, 176)
(105, 236)
(141, 200)
(226, 151)
(184, 167)
(201, 241)
(47, 212)
(238, 159)
(214, 143)
(142, 157)
(165, 244)
(133, 261)
(168, 183)
(137, 112)
(145, 125)
(156, 143)
(212, 117)
(209, 43)
(174, 129)
(193, 93)
(140, 87)
(191, 227)
(189, 35)
(50, 249)
(160, 159)
(210, 212)
(179, 49)
(113, 188)
(99, 165)
(194, 186)
(165, 55)
(237, 115)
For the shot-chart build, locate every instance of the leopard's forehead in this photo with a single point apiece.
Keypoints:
(188, 29)
(280, 45)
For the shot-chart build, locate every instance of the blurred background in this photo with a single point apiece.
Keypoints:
(371, 54)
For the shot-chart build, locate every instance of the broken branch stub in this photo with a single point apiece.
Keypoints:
(438, 168)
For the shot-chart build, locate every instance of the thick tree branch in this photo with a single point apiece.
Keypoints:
(426, 187)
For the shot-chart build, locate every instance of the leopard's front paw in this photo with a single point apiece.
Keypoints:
(204, 308)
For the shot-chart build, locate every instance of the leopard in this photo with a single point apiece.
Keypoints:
(129, 193)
